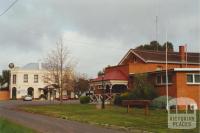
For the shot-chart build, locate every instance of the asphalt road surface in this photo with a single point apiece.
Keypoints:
(45, 124)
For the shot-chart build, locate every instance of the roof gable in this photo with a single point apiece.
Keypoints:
(128, 55)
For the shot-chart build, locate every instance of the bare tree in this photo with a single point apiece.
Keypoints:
(59, 65)
(68, 80)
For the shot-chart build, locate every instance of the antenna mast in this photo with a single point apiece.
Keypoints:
(157, 30)
(156, 23)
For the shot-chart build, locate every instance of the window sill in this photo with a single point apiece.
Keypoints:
(193, 83)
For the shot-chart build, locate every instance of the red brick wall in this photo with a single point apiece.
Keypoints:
(180, 88)
(186, 90)
(172, 91)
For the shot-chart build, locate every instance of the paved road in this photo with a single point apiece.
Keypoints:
(45, 124)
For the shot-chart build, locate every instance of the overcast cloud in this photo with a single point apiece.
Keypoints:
(98, 33)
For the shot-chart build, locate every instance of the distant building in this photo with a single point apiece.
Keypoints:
(28, 80)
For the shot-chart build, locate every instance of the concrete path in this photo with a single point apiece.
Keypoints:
(45, 124)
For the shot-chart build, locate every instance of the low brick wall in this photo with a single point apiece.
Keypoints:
(4, 95)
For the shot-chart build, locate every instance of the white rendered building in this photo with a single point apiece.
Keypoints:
(28, 80)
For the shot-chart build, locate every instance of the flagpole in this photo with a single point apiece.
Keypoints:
(166, 74)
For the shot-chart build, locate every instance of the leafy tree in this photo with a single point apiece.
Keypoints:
(154, 45)
(81, 84)
(5, 77)
(100, 73)
(142, 88)
(170, 46)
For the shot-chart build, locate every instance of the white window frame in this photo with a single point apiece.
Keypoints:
(36, 80)
(193, 79)
(14, 80)
(25, 80)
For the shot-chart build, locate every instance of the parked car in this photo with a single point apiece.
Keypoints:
(27, 98)
(87, 93)
(65, 97)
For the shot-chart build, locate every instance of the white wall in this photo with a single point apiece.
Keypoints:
(22, 87)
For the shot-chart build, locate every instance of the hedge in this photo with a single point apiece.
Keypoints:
(84, 99)
(160, 102)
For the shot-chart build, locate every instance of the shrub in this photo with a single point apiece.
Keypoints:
(118, 100)
(143, 89)
(160, 102)
(124, 96)
(84, 99)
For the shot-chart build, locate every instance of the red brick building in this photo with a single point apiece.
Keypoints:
(183, 73)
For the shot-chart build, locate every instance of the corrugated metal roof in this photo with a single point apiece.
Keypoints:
(172, 56)
(160, 56)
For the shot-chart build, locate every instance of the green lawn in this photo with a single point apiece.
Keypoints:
(11, 127)
(112, 116)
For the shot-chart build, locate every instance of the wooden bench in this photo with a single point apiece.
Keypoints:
(144, 103)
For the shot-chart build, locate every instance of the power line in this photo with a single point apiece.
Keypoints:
(11, 5)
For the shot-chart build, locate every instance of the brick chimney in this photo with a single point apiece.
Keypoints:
(182, 53)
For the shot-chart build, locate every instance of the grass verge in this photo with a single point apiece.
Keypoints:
(112, 116)
(7, 126)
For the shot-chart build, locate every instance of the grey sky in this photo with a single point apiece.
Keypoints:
(98, 33)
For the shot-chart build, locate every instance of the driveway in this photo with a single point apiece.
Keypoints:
(45, 124)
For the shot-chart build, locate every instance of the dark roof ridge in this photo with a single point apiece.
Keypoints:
(153, 51)
(169, 52)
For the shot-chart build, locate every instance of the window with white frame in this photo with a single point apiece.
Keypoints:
(25, 78)
(14, 78)
(193, 78)
(161, 79)
(35, 78)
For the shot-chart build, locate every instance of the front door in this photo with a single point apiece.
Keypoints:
(14, 93)
(30, 91)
